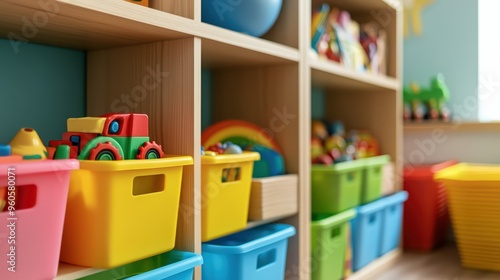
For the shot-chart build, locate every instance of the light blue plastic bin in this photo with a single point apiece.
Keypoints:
(173, 265)
(253, 254)
(392, 221)
(367, 233)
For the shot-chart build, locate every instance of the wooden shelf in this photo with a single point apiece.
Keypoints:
(225, 48)
(99, 24)
(265, 81)
(333, 75)
(362, 5)
(92, 24)
(252, 224)
(452, 126)
(70, 272)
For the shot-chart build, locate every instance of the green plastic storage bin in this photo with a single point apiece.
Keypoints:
(328, 245)
(337, 187)
(371, 189)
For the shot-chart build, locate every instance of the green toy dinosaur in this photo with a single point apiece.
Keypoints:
(428, 102)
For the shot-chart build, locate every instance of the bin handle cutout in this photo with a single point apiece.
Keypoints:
(148, 184)
(335, 232)
(266, 258)
(17, 197)
(350, 176)
(231, 174)
(393, 208)
(372, 218)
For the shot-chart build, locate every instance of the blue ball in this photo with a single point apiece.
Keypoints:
(233, 149)
(253, 17)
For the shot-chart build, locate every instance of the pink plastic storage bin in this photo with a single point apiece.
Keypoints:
(41, 190)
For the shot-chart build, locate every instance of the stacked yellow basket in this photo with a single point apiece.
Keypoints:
(474, 202)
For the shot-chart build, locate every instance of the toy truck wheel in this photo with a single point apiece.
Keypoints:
(104, 151)
(149, 150)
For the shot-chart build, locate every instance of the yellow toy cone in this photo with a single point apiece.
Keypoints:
(28, 144)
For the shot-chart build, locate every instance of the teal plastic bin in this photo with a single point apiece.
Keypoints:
(328, 245)
(392, 221)
(337, 187)
(367, 233)
(254, 254)
(173, 265)
(371, 189)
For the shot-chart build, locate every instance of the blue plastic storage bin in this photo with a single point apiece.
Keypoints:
(392, 221)
(173, 265)
(254, 254)
(367, 233)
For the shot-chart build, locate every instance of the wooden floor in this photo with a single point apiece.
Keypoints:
(443, 264)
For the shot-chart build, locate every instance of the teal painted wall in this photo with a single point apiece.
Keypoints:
(206, 98)
(317, 103)
(449, 45)
(40, 87)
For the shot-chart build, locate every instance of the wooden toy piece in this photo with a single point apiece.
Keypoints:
(109, 137)
(28, 144)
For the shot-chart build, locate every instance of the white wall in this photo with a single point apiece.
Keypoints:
(437, 145)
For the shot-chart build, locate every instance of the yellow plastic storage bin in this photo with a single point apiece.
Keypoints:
(474, 199)
(122, 211)
(225, 193)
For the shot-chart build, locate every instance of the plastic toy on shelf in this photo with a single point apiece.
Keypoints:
(336, 146)
(249, 137)
(250, 17)
(144, 3)
(427, 103)
(109, 137)
(336, 37)
(28, 144)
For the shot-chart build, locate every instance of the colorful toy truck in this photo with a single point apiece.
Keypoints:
(109, 137)
(427, 103)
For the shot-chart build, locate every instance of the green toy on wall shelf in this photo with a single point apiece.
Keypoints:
(427, 103)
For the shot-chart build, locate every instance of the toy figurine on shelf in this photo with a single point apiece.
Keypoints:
(369, 40)
(353, 55)
(109, 137)
(427, 103)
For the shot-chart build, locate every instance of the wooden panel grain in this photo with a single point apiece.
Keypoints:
(183, 8)
(299, 262)
(285, 29)
(266, 96)
(162, 80)
(376, 111)
(269, 97)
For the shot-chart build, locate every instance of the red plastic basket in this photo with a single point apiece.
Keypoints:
(426, 220)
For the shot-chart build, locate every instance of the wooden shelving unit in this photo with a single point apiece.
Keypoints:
(254, 79)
